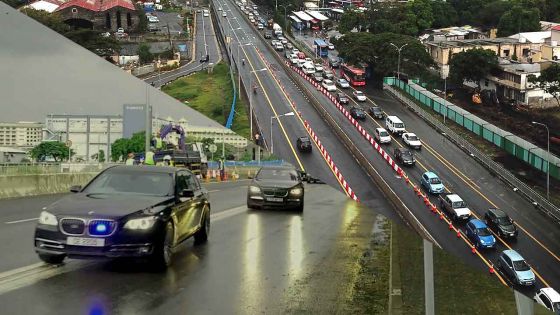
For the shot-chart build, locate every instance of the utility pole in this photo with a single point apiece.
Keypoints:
(399, 59)
(547, 158)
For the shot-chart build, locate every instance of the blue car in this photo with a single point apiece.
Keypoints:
(480, 234)
(432, 183)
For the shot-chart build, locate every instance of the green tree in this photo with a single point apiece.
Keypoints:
(144, 53)
(101, 156)
(123, 146)
(444, 14)
(93, 41)
(472, 65)
(351, 19)
(55, 149)
(13, 3)
(549, 81)
(422, 10)
(51, 20)
(519, 19)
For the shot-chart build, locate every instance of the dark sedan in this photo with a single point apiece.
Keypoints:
(126, 211)
(501, 223)
(358, 113)
(376, 112)
(342, 98)
(304, 144)
(276, 187)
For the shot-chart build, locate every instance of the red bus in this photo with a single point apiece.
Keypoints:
(354, 75)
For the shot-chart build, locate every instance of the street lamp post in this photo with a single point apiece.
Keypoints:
(399, 59)
(285, 22)
(251, 99)
(547, 158)
(271, 138)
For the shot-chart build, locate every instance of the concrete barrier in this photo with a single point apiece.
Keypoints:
(40, 184)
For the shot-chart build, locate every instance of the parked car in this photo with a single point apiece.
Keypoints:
(330, 46)
(121, 30)
(328, 74)
(329, 85)
(455, 206)
(501, 223)
(382, 136)
(404, 156)
(276, 187)
(411, 140)
(376, 112)
(342, 83)
(304, 144)
(480, 234)
(549, 298)
(358, 113)
(432, 183)
(126, 211)
(359, 95)
(342, 98)
(516, 268)
(317, 77)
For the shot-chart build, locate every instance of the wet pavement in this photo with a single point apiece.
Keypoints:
(256, 261)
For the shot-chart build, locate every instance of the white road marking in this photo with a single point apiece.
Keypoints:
(20, 221)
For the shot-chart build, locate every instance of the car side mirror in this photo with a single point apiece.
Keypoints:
(187, 193)
(76, 188)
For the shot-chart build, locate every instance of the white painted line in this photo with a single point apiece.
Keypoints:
(213, 191)
(20, 221)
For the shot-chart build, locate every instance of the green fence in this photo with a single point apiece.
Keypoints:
(522, 149)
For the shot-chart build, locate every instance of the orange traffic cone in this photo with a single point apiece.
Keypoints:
(458, 233)
(450, 226)
(491, 270)
(473, 249)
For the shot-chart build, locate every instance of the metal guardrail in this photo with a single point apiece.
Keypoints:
(539, 201)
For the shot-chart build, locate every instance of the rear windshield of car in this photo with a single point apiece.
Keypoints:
(483, 232)
(133, 183)
(520, 265)
(459, 204)
(277, 174)
(376, 109)
(435, 181)
(399, 125)
(413, 138)
(406, 153)
(504, 220)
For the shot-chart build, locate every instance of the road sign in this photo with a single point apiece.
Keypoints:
(212, 148)
(68, 143)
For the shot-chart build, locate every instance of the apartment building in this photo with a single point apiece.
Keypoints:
(23, 135)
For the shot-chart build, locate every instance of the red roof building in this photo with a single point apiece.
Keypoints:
(100, 14)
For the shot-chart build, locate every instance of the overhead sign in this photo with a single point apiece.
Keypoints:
(68, 143)
(212, 148)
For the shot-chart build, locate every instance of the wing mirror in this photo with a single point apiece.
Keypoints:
(76, 188)
(187, 193)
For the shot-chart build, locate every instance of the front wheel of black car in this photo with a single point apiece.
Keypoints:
(163, 252)
(299, 207)
(52, 259)
(201, 236)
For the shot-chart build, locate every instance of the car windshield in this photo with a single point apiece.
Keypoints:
(435, 181)
(520, 265)
(359, 93)
(504, 220)
(556, 307)
(459, 204)
(376, 109)
(406, 153)
(277, 174)
(483, 232)
(133, 183)
(412, 138)
(383, 133)
(342, 81)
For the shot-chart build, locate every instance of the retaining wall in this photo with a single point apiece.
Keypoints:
(40, 184)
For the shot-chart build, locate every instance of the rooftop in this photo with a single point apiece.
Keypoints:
(98, 5)
(516, 67)
(532, 37)
(475, 42)
(11, 150)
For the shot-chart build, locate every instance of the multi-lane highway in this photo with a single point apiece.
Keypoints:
(204, 43)
(461, 174)
(255, 261)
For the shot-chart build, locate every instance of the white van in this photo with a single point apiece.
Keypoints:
(394, 125)
(308, 68)
(300, 63)
(206, 13)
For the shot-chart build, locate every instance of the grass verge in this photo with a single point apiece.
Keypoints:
(459, 288)
(211, 94)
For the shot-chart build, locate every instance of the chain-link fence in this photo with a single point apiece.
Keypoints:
(539, 201)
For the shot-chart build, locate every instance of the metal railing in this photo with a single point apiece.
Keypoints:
(539, 201)
(51, 168)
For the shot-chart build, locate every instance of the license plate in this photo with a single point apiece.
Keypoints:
(85, 241)
(275, 199)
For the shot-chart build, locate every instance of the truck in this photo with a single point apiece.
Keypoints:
(187, 155)
(277, 29)
(455, 206)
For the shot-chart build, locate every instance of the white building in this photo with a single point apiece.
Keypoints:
(23, 135)
(45, 5)
(91, 133)
(11, 155)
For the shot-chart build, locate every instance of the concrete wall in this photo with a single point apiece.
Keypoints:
(40, 184)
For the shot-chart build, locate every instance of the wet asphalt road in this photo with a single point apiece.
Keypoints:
(255, 261)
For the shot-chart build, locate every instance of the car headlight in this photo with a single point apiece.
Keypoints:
(254, 189)
(47, 218)
(296, 191)
(144, 223)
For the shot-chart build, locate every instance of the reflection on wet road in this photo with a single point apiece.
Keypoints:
(253, 262)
